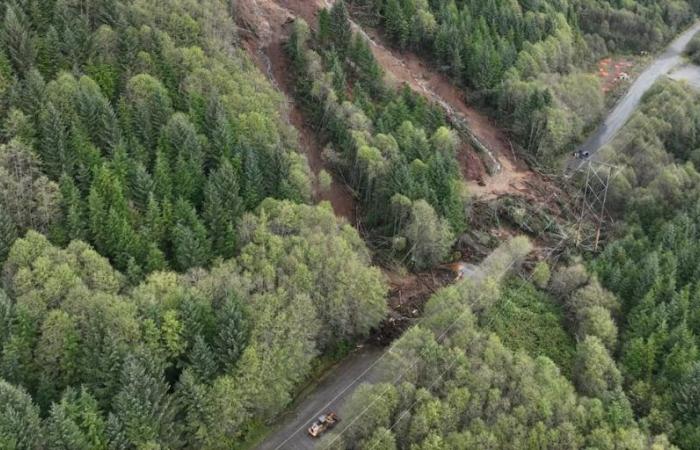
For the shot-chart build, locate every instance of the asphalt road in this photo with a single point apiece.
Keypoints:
(618, 117)
(329, 395)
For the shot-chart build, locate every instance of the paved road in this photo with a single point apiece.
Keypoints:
(662, 65)
(329, 395)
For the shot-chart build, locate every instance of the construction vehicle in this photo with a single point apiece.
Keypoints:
(323, 423)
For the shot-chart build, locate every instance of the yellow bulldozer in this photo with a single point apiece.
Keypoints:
(323, 423)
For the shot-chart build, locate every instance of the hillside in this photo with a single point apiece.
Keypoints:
(220, 220)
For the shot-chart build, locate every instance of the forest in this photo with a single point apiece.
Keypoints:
(170, 281)
(152, 297)
(529, 61)
(615, 333)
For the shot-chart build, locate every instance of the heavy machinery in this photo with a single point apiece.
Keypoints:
(323, 423)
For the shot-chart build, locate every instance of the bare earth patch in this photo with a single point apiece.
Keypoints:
(268, 30)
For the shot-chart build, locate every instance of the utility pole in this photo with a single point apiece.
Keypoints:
(594, 195)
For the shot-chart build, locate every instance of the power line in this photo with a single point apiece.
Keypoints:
(438, 339)
(593, 201)
(454, 360)
(390, 349)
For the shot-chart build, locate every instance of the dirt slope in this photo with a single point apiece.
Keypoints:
(266, 28)
(406, 67)
(514, 177)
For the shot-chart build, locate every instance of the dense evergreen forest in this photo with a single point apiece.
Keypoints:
(138, 128)
(168, 281)
(139, 140)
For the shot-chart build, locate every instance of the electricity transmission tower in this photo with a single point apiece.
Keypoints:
(594, 195)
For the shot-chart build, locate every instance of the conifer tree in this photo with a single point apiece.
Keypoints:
(325, 27)
(397, 25)
(220, 134)
(8, 233)
(20, 425)
(203, 362)
(191, 245)
(76, 422)
(17, 38)
(232, 335)
(341, 28)
(253, 187)
(148, 107)
(162, 177)
(56, 154)
(144, 410)
(73, 224)
(110, 219)
(222, 207)
(97, 116)
(49, 57)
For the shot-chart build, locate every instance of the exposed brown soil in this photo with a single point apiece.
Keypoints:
(613, 72)
(408, 295)
(270, 16)
(267, 25)
(471, 165)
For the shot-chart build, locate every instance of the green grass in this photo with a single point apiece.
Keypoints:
(529, 319)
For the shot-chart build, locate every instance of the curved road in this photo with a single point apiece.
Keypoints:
(328, 395)
(662, 65)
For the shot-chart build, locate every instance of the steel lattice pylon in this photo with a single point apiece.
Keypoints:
(592, 202)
